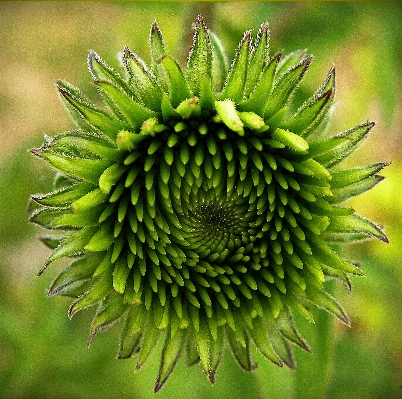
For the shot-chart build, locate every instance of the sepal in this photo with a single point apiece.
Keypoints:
(287, 328)
(142, 82)
(236, 79)
(259, 96)
(259, 335)
(310, 114)
(72, 245)
(240, 350)
(179, 89)
(93, 116)
(285, 86)
(85, 145)
(134, 112)
(157, 46)
(199, 63)
(351, 182)
(219, 62)
(170, 355)
(289, 61)
(101, 71)
(280, 346)
(353, 228)
(47, 217)
(75, 274)
(110, 310)
(259, 58)
(100, 289)
(150, 338)
(331, 151)
(79, 121)
(325, 301)
(82, 168)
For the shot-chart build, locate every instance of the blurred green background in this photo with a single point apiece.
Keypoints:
(42, 353)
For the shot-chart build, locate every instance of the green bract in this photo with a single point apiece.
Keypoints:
(198, 209)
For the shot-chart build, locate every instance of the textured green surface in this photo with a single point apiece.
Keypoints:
(379, 317)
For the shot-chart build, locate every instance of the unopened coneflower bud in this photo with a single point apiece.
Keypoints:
(195, 207)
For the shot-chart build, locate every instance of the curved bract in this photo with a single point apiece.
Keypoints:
(197, 208)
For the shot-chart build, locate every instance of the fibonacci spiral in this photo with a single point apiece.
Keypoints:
(197, 208)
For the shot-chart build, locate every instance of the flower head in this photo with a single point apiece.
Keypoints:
(197, 208)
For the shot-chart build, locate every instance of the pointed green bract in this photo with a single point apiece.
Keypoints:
(199, 64)
(178, 89)
(197, 209)
(95, 117)
(285, 86)
(354, 228)
(141, 82)
(219, 62)
(134, 113)
(259, 96)
(259, 58)
(236, 79)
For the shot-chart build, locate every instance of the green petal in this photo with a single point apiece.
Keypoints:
(170, 355)
(142, 82)
(353, 228)
(292, 140)
(134, 112)
(259, 58)
(75, 273)
(178, 86)
(219, 62)
(120, 274)
(260, 337)
(102, 239)
(333, 150)
(111, 310)
(258, 99)
(98, 291)
(199, 64)
(227, 111)
(236, 79)
(241, 353)
(285, 87)
(93, 115)
(110, 177)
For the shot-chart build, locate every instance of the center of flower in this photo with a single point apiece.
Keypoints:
(215, 225)
(214, 217)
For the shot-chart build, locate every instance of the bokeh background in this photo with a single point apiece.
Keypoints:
(42, 353)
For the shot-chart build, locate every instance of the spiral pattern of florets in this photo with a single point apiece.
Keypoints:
(198, 207)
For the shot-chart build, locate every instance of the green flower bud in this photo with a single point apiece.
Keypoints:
(199, 210)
